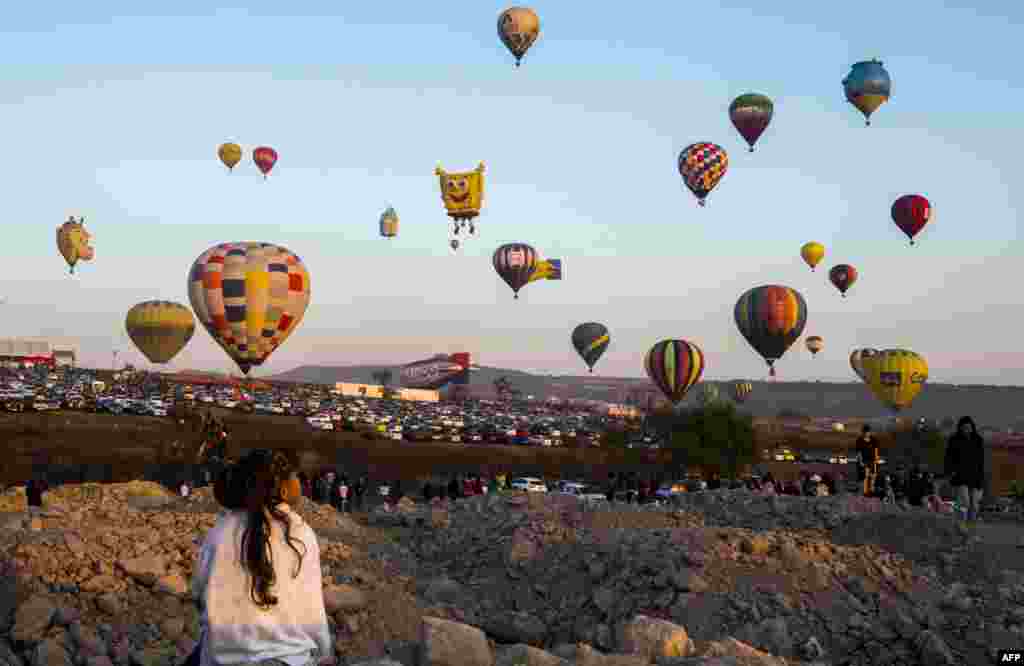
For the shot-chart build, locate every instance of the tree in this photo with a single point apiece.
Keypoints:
(716, 438)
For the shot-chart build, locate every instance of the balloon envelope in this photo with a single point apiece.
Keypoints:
(674, 366)
(590, 340)
(515, 263)
(842, 276)
(74, 242)
(230, 154)
(910, 213)
(389, 223)
(867, 86)
(857, 358)
(741, 391)
(750, 115)
(518, 29)
(896, 377)
(812, 253)
(265, 159)
(160, 329)
(250, 297)
(771, 318)
(702, 166)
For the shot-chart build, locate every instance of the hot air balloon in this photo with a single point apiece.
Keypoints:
(771, 318)
(896, 376)
(515, 263)
(750, 115)
(160, 329)
(709, 393)
(547, 269)
(857, 358)
(454, 244)
(73, 242)
(814, 344)
(867, 87)
(518, 29)
(702, 166)
(389, 223)
(843, 276)
(265, 159)
(674, 366)
(741, 391)
(462, 194)
(250, 297)
(590, 340)
(812, 253)
(230, 154)
(910, 213)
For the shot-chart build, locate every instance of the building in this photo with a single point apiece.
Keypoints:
(377, 391)
(64, 356)
(21, 352)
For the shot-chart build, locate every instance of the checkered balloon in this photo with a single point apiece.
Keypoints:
(702, 166)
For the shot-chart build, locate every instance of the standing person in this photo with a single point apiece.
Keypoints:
(257, 577)
(33, 495)
(360, 493)
(184, 490)
(965, 467)
(868, 455)
(343, 491)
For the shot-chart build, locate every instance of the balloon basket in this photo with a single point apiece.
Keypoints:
(701, 203)
(751, 149)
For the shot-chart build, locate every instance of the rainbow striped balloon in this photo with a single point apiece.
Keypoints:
(674, 366)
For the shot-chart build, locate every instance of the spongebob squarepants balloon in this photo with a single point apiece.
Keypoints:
(73, 241)
(463, 195)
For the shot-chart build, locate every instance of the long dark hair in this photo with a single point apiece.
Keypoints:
(255, 486)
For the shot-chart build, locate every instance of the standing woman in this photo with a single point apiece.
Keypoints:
(258, 580)
(965, 467)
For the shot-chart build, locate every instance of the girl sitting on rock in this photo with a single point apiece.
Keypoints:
(258, 579)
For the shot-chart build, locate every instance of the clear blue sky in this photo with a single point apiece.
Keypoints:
(117, 116)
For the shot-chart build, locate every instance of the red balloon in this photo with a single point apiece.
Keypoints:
(265, 159)
(843, 276)
(910, 213)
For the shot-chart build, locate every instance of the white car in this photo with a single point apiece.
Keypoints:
(529, 484)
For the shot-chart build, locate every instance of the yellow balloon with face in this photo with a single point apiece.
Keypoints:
(73, 242)
(462, 193)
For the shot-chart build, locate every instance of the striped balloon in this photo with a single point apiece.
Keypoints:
(741, 391)
(250, 297)
(771, 318)
(674, 366)
(515, 263)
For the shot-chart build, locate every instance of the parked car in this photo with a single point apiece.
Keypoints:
(529, 484)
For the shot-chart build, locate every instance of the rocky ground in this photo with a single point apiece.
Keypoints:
(717, 578)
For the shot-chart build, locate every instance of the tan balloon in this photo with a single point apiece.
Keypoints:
(160, 329)
(518, 29)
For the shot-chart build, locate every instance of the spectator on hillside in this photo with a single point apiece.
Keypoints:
(396, 491)
(715, 483)
(868, 456)
(965, 467)
(343, 493)
(257, 579)
(360, 493)
(34, 495)
(184, 490)
(454, 488)
(830, 483)
(428, 491)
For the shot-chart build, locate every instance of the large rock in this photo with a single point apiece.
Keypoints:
(527, 655)
(652, 638)
(446, 643)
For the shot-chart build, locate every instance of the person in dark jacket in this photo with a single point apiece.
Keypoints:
(965, 467)
(715, 482)
(34, 494)
(428, 491)
(454, 488)
(868, 454)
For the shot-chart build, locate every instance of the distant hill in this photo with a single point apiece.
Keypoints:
(997, 406)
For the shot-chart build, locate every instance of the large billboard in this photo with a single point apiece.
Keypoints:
(437, 371)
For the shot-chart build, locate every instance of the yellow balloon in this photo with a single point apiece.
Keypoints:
(160, 329)
(812, 253)
(895, 376)
(462, 193)
(230, 154)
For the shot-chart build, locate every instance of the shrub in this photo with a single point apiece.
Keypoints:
(715, 438)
